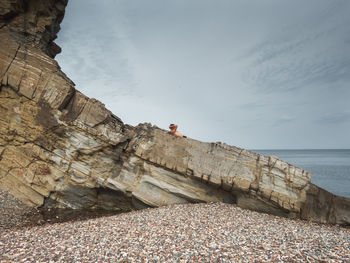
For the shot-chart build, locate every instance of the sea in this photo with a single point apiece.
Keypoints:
(330, 169)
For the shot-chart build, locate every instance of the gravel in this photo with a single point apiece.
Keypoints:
(14, 213)
(214, 232)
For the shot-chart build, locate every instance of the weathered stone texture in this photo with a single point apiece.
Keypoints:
(33, 22)
(248, 176)
(59, 148)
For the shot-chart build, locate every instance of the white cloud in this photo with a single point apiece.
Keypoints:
(250, 73)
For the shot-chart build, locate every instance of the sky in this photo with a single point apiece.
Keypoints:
(257, 74)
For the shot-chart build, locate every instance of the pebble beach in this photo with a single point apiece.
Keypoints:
(213, 232)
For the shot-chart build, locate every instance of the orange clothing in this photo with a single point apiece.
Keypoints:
(176, 133)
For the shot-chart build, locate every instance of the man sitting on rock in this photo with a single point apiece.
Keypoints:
(173, 130)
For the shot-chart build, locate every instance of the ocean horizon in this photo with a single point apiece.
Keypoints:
(330, 168)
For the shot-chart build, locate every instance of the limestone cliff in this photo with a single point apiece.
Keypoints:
(59, 148)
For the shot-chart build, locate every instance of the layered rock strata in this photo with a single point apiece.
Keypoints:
(59, 148)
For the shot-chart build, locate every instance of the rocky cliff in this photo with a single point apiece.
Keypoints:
(59, 148)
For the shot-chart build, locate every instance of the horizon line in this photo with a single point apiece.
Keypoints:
(279, 149)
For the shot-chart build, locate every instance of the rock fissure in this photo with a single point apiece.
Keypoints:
(36, 86)
(20, 80)
(9, 65)
(67, 100)
(160, 166)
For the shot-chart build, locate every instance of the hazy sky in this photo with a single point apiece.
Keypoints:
(258, 74)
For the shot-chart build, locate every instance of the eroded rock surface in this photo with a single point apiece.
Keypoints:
(59, 148)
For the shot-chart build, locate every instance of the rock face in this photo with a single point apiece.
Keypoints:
(59, 148)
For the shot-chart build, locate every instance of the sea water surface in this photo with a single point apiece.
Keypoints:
(330, 168)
